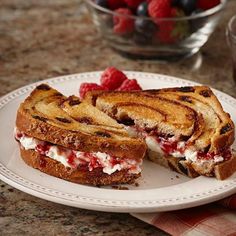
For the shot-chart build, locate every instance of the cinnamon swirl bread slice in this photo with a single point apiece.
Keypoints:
(186, 129)
(75, 141)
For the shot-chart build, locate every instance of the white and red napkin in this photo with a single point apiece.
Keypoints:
(215, 219)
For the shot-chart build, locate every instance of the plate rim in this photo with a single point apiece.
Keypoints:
(99, 204)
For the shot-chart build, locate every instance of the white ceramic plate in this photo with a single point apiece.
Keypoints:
(159, 189)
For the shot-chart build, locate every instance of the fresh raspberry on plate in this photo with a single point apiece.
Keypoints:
(112, 78)
(123, 24)
(85, 87)
(207, 4)
(133, 3)
(115, 4)
(129, 85)
(159, 9)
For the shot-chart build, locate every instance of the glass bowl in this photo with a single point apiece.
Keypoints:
(141, 38)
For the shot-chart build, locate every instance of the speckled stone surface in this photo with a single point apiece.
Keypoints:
(46, 38)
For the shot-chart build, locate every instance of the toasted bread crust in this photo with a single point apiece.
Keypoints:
(215, 138)
(224, 170)
(76, 140)
(221, 171)
(156, 115)
(37, 117)
(173, 163)
(219, 140)
(81, 176)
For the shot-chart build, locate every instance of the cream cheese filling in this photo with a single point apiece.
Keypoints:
(189, 153)
(73, 159)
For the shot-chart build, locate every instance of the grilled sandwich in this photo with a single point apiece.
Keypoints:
(75, 141)
(185, 129)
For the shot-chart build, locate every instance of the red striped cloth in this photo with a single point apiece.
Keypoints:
(215, 219)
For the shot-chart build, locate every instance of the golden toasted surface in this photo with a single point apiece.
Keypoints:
(148, 112)
(218, 129)
(50, 116)
(81, 176)
(89, 115)
(191, 112)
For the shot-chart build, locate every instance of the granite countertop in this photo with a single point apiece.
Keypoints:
(47, 38)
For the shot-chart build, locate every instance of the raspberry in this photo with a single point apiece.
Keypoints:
(164, 33)
(133, 3)
(207, 4)
(129, 85)
(123, 24)
(171, 31)
(174, 12)
(115, 4)
(85, 87)
(159, 9)
(112, 78)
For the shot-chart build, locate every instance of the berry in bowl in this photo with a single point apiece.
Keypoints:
(166, 30)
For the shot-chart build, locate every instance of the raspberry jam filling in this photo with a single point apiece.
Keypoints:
(170, 146)
(225, 154)
(76, 159)
(178, 149)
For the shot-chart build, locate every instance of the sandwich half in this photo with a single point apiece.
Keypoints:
(185, 129)
(75, 141)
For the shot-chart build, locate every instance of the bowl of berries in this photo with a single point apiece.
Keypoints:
(166, 30)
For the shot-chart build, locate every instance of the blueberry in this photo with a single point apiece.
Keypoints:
(142, 9)
(102, 3)
(188, 6)
(145, 26)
